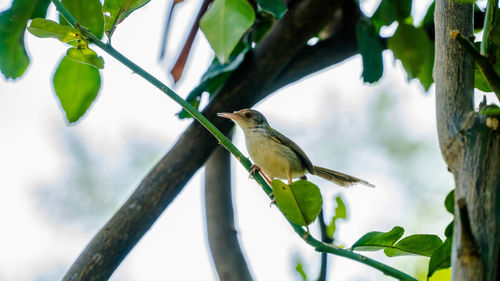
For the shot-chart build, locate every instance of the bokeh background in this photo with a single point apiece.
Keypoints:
(61, 183)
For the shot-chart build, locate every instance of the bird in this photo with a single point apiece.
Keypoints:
(277, 156)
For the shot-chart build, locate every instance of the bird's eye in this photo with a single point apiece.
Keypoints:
(247, 114)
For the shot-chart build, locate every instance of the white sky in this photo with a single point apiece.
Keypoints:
(31, 244)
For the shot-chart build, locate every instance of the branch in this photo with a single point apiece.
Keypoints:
(222, 236)
(483, 63)
(454, 101)
(325, 239)
(487, 46)
(157, 190)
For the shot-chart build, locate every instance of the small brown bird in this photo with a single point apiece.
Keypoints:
(276, 155)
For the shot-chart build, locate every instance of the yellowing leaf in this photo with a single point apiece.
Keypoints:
(85, 55)
(50, 29)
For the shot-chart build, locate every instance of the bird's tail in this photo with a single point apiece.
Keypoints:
(338, 177)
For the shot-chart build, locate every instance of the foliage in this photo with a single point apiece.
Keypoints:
(300, 201)
(339, 213)
(232, 28)
(13, 57)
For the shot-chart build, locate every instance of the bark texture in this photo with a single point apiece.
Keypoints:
(221, 231)
(469, 147)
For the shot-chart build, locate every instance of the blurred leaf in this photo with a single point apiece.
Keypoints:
(214, 77)
(262, 25)
(448, 232)
(418, 244)
(13, 57)
(300, 269)
(441, 258)
(449, 202)
(50, 29)
(495, 30)
(479, 81)
(118, 10)
(389, 11)
(210, 85)
(300, 202)
(413, 47)
(429, 16)
(224, 24)
(376, 240)
(276, 7)
(441, 275)
(85, 55)
(340, 213)
(370, 48)
(76, 85)
(490, 110)
(87, 13)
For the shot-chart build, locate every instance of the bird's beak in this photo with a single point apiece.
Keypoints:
(232, 116)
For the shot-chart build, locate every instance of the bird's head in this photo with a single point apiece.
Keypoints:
(246, 118)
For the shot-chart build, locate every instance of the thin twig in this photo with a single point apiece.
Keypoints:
(224, 141)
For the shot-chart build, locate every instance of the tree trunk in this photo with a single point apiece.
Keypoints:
(222, 236)
(470, 148)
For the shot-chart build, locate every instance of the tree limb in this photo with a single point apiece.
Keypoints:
(246, 86)
(222, 235)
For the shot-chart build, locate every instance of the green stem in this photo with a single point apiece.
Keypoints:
(224, 141)
(489, 22)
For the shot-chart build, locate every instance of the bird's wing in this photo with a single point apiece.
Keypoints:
(282, 139)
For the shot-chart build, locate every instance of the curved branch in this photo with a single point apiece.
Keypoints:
(246, 86)
(222, 236)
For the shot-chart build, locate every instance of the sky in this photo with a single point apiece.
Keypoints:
(331, 120)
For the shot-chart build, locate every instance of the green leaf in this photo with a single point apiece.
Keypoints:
(276, 7)
(224, 24)
(13, 57)
(413, 47)
(214, 77)
(448, 232)
(370, 48)
(263, 23)
(118, 10)
(85, 55)
(429, 16)
(391, 10)
(418, 244)
(300, 269)
(87, 13)
(441, 258)
(376, 240)
(300, 202)
(76, 86)
(340, 213)
(449, 202)
(490, 110)
(50, 29)
(480, 82)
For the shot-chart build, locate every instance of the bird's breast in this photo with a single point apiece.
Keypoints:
(275, 159)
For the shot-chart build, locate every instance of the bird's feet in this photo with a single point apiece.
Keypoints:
(256, 168)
